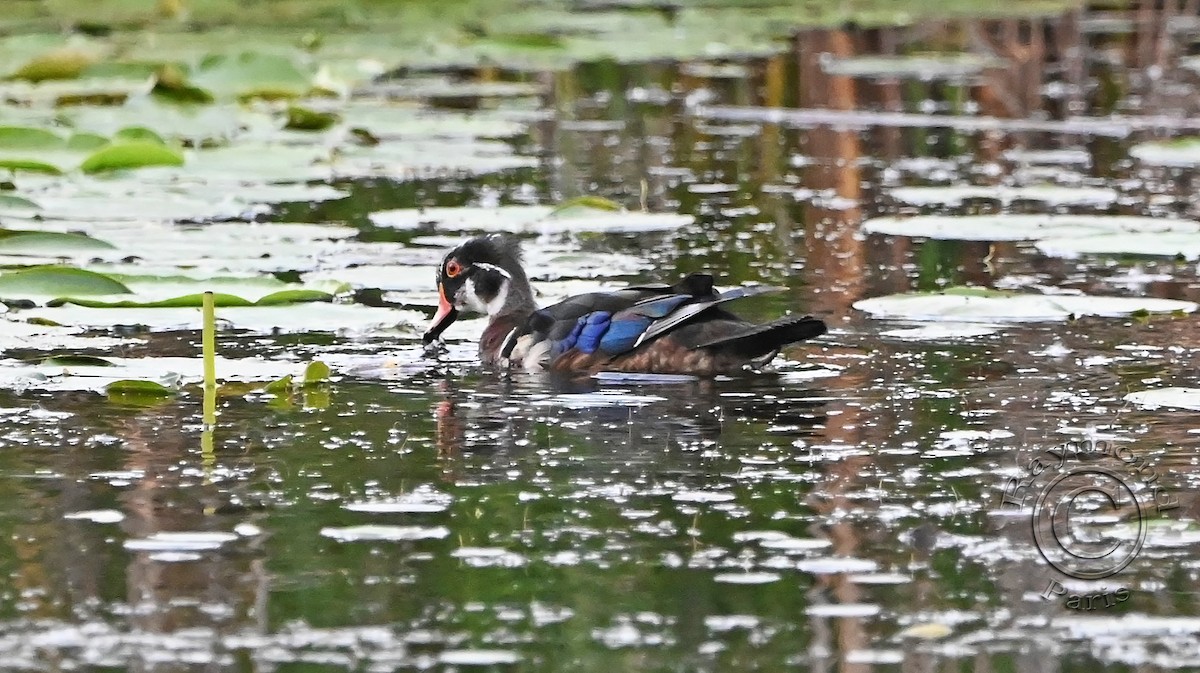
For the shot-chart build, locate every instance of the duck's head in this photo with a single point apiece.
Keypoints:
(483, 275)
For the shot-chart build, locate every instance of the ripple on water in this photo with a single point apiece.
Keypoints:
(478, 657)
(97, 516)
(746, 578)
(833, 565)
(374, 533)
(180, 541)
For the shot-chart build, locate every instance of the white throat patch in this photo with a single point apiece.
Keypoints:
(470, 300)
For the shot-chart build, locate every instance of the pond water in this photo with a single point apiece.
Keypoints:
(845, 509)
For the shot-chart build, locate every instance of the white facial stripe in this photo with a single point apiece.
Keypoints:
(492, 267)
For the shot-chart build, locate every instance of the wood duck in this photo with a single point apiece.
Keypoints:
(662, 329)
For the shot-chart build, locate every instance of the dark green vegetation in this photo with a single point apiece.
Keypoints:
(361, 506)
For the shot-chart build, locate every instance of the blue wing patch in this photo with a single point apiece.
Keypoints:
(616, 333)
(628, 326)
(593, 329)
(623, 332)
(585, 335)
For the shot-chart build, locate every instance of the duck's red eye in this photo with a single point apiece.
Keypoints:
(453, 268)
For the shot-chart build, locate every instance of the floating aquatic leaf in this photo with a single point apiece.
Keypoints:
(316, 372)
(281, 385)
(41, 335)
(17, 242)
(86, 142)
(1183, 244)
(18, 204)
(42, 151)
(138, 134)
(1021, 227)
(195, 300)
(540, 219)
(194, 125)
(64, 63)
(586, 202)
(1179, 398)
(251, 75)
(31, 165)
(1181, 152)
(131, 391)
(918, 66)
(310, 317)
(983, 305)
(23, 138)
(131, 154)
(52, 281)
(303, 119)
(76, 361)
(1051, 194)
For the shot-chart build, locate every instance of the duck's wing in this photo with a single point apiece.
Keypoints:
(560, 325)
(690, 311)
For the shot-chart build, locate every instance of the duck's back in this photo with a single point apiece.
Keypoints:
(677, 328)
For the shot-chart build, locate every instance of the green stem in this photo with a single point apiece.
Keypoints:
(209, 342)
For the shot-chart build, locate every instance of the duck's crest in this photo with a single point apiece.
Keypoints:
(494, 248)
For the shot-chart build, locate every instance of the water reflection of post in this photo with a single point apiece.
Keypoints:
(834, 254)
(835, 265)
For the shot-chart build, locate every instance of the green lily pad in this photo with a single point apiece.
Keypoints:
(76, 361)
(64, 63)
(948, 66)
(22, 138)
(974, 304)
(11, 202)
(1181, 244)
(196, 300)
(57, 281)
(294, 318)
(953, 195)
(16, 242)
(316, 372)
(131, 154)
(1178, 398)
(303, 119)
(251, 75)
(1021, 227)
(136, 392)
(585, 202)
(282, 385)
(540, 219)
(42, 151)
(30, 165)
(138, 134)
(1180, 152)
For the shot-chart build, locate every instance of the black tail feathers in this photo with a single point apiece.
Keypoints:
(758, 340)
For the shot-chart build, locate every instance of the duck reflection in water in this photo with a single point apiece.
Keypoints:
(527, 413)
